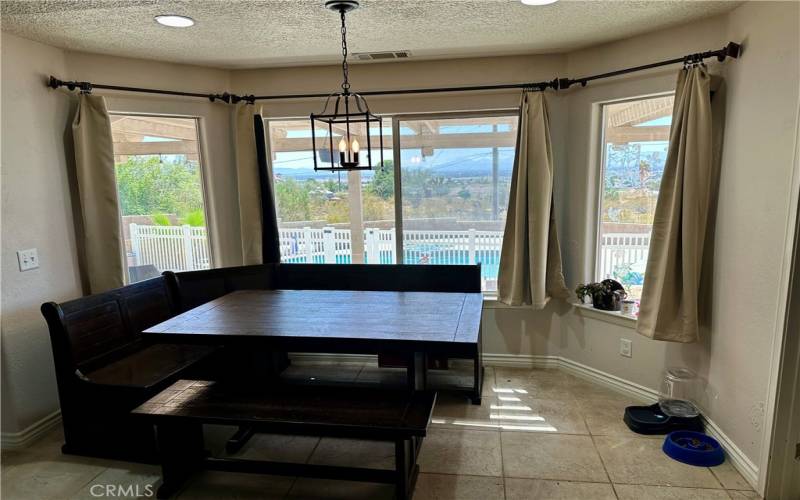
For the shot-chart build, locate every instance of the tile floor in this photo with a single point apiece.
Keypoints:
(539, 434)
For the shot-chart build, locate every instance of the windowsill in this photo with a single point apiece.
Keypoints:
(614, 317)
(490, 301)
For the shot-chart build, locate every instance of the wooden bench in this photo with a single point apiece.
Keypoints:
(104, 368)
(180, 411)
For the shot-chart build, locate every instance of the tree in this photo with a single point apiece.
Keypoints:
(293, 199)
(382, 183)
(149, 186)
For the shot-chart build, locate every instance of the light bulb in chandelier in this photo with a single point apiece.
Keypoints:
(348, 153)
(355, 149)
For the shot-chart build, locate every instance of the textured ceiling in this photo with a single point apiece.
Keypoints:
(259, 33)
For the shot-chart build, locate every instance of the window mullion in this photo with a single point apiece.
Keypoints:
(398, 196)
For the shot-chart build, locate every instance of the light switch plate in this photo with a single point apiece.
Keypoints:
(28, 259)
(625, 347)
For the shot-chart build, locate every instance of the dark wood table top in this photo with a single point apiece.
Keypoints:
(297, 318)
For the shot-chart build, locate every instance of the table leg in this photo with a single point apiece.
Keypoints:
(182, 453)
(417, 371)
(405, 468)
(477, 388)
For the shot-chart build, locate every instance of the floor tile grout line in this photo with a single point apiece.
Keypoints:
(522, 477)
(500, 440)
(92, 479)
(288, 493)
(717, 479)
(308, 458)
(602, 462)
(674, 486)
(469, 428)
(716, 476)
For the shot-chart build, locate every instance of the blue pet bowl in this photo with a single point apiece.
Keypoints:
(693, 448)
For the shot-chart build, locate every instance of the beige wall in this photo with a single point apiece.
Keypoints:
(36, 212)
(37, 208)
(753, 215)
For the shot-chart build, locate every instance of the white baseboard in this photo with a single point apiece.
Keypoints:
(520, 361)
(738, 459)
(26, 437)
(644, 394)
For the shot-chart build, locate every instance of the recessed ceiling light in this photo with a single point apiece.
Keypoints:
(174, 21)
(538, 2)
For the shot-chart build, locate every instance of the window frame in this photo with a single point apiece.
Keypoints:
(600, 157)
(395, 146)
(203, 182)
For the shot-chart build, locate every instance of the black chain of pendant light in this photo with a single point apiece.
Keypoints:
(345, 67)
(354, 115)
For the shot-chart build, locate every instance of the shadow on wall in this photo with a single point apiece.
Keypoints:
(522, 330)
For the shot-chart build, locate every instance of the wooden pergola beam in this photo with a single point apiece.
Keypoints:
(155, 148)
(621, 135)
(439, 141)
(636, 112)
(170, 128)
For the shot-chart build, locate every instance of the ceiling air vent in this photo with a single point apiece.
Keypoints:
(382, 56)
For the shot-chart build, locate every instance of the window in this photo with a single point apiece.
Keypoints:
(330, 217)
(160, 188)
(455, 180)
(635, 141)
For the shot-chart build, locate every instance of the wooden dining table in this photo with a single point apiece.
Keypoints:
(412, 325)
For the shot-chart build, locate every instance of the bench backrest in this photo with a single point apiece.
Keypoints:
(90, 331)
(380, 277)
(193, 288)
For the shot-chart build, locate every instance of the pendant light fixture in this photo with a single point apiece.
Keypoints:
(345, 124)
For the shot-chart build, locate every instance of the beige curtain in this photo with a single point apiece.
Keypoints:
(97, 192)
(530, 260)
(249, 183)
(670, 296)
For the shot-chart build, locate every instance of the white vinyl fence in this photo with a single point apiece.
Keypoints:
(175, 248)
(184, 248)
(622, 249)
(330, 245)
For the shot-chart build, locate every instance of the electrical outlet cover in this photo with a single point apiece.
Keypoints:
(28, 259)
(625, 347)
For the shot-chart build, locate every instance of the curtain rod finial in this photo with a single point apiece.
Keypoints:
(733, 50)
(54, 82)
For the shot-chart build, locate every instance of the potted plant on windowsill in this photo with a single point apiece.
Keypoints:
(606, 295)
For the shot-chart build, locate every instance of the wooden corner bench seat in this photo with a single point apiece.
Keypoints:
(180, 411)
(104, 368)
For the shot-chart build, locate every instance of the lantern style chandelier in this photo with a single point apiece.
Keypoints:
(345, 121)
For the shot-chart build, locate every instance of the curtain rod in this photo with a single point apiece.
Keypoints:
(732, 50)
